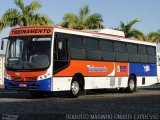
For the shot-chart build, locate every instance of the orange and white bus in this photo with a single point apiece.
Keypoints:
(44, 59)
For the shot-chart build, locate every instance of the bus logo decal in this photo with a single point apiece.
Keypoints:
(146, 68)
(121, 68)
(96, 69)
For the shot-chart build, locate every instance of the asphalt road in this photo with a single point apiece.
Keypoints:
(143, 104)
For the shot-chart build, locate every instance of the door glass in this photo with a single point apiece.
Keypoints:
(61, 58)
(62, 49)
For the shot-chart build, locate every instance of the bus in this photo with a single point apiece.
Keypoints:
(47, 59)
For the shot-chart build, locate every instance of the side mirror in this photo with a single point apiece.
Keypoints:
(2, 44)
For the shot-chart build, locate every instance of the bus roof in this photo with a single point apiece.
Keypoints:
(48, 30)
(101, 35)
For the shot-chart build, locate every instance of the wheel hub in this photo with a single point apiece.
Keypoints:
(75, 87)
(131, 84)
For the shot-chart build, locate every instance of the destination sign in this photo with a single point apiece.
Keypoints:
(31, 31)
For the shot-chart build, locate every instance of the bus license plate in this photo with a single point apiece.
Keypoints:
(22, 85)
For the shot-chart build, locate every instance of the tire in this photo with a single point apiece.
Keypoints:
(131, 85)
(37, 94)
(75, 88)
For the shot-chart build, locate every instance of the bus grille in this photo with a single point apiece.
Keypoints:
(26, 79)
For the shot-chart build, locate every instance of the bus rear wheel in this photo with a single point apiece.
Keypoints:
(131, 84)
(75, 88)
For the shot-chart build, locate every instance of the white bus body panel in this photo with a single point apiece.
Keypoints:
(105, 82)
(149, 80)
(64, 83)
(61, 83)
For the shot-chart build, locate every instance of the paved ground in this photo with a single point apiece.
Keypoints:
(144, 103)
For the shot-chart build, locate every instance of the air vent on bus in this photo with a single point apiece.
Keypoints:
(108, 32)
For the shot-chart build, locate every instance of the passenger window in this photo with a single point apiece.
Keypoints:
(151, 50)
(120, 47)
(76, 42)
(142, 50)
(132, 48)
(106, 45)
(91, 44)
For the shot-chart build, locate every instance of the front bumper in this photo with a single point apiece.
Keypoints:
(42, 85)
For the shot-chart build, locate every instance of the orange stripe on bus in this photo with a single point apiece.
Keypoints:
(95, 68)
(26, 74)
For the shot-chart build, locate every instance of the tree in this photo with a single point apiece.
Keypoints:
(154, 37)
(131, 32)
(83, 20)
(25, 17)
(1, 26)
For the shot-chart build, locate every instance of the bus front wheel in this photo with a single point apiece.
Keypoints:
(75, 88)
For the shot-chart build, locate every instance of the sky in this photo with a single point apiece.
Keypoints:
(112, 11)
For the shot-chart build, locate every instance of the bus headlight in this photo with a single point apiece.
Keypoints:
(7, 76)
(44, 76)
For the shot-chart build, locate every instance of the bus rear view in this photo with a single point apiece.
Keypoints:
(28, 59)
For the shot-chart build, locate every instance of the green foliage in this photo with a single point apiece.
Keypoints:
(27, 15)
(83, 20)
(130, 32)
(154, 37)
(69, 20)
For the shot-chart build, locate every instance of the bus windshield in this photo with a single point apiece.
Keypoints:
(28, 53)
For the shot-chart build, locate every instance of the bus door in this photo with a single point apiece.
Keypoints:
(61, 54)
